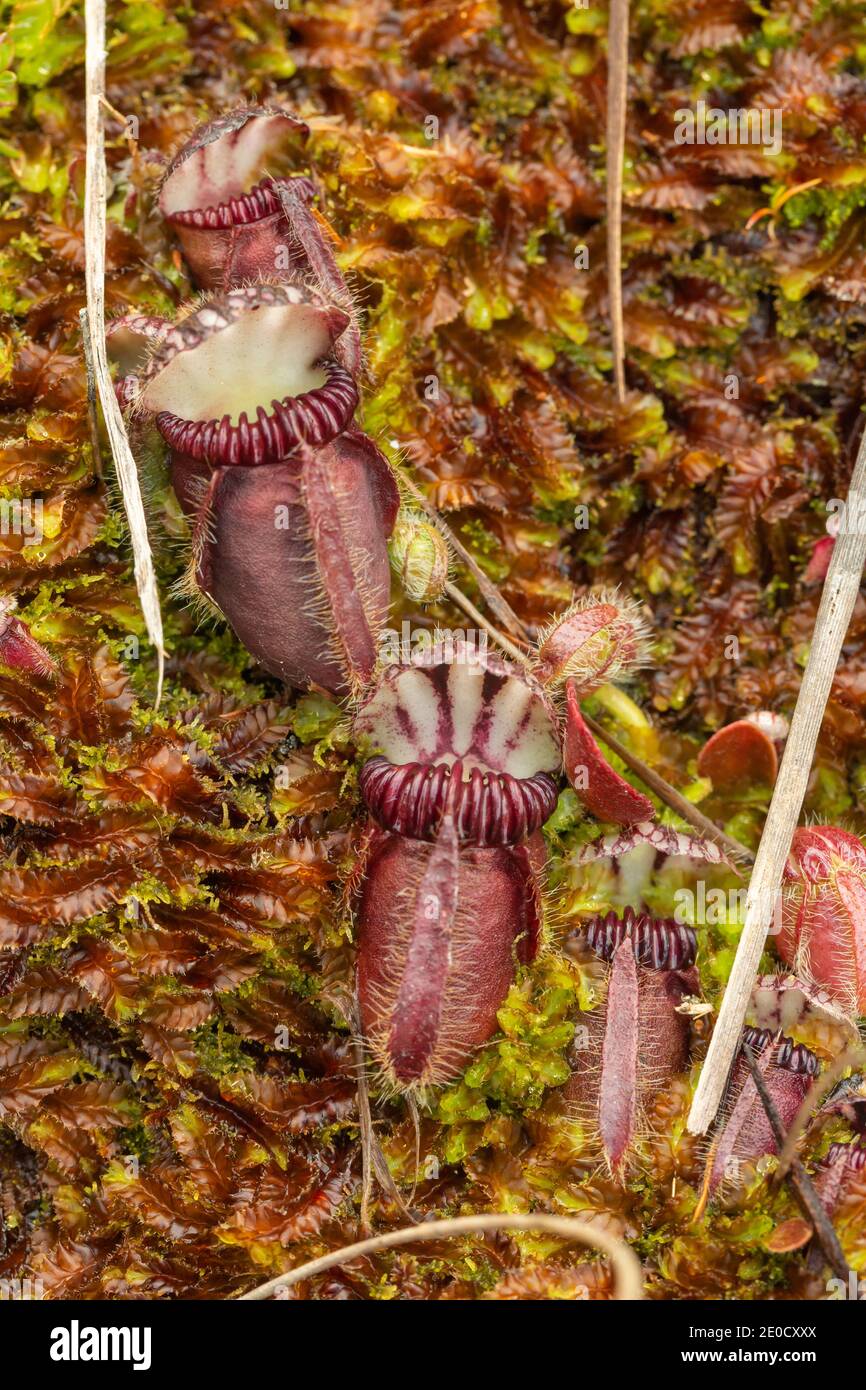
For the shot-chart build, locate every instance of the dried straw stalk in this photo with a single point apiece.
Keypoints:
(94, 241)
(841, 588)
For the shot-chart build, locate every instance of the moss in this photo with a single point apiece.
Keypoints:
(461, 245)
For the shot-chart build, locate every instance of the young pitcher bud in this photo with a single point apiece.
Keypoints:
(600, 638)
(740, 755)
(419, 556)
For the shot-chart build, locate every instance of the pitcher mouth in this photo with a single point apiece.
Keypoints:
(458, 731)
(215, 180)
(260, 202)
(314, 418)
(250, 376)
(791, 1056)
(658, 943)
(851, 1153)
(489, 808)
(455, 701)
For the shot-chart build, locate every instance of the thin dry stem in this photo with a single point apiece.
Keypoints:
(94, 236)
(457, 596)
(372, 1158)
(839, 595)
(801, 1184)
(489, 592)
(366, 1131)
(626, 1266)
(92, 416)
(851, 1057)
(617, 89)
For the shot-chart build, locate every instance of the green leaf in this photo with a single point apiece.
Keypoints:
(45, 44)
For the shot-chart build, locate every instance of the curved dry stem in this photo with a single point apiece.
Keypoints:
(492, 597)
(626, 1266)
(671, 796)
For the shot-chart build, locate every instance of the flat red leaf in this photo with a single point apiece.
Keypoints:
(606, 795)
(91, 1105)
(739, 755)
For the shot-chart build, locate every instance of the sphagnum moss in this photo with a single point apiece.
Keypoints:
(159, 920)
